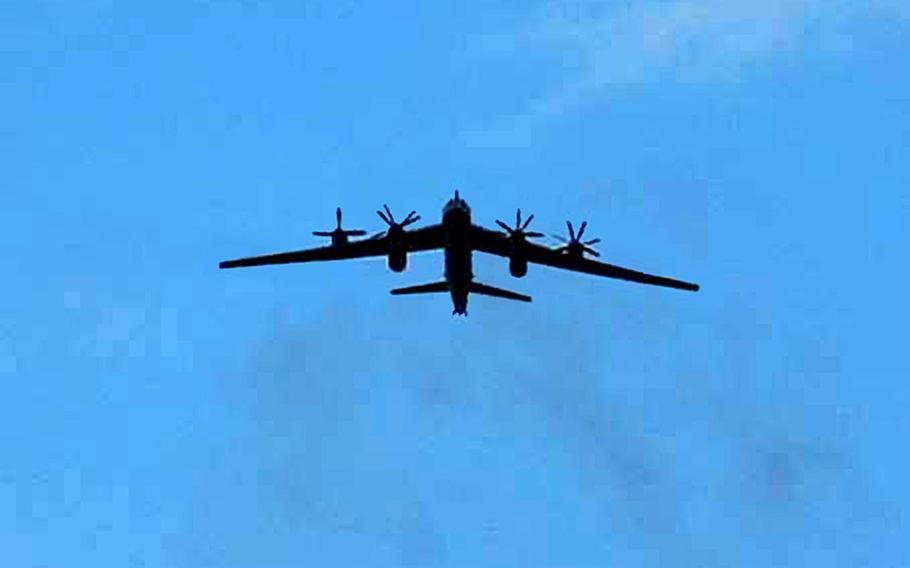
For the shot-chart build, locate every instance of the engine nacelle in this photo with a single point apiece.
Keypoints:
(518, 266)
(339, 238)
(398, 260)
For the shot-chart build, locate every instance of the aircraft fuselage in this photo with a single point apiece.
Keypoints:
(456, 221)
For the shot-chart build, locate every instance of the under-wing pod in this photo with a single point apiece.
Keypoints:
(518, 265)
(398, 260)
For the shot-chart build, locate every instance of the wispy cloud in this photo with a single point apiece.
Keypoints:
(430, 447)
(608, 46)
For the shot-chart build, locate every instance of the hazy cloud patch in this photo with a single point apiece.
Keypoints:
(369, 436)
(609, 47)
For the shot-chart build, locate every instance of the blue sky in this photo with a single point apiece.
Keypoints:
(159, 412)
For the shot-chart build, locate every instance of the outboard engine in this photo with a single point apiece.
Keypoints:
(338, 235)
(574, 246)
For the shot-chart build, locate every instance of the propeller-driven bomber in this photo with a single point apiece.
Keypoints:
(459, 238)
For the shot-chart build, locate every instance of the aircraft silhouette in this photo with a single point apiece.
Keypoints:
(459, 238)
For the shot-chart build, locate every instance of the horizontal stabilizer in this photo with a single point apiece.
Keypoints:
(422, 289)
(484, 290)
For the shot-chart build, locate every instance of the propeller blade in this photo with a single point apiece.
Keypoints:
(571, 230)
(518, 218)
(592, 242)
(389, 212)
(355, 233)
(338, 216)
(410, 221)
(533, 234)
(560, 238)
(581, 231)
(527, 222)
(590, 251)
(505, 227)
(384, 218)
(322, 234)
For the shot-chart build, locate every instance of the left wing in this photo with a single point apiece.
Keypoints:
(425, 238)
(494, 242)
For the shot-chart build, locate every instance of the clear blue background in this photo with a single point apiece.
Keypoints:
(160, 412)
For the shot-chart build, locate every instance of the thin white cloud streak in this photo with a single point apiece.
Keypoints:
(607, 47)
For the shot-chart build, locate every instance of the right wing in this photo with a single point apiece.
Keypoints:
(425, 238)
(546, 256)
(493, 242)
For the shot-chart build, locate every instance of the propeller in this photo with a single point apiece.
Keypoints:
(338, 232)
(394, 225)
(519, 231)
(574, 245)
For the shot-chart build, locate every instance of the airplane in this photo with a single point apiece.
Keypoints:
(459, 238)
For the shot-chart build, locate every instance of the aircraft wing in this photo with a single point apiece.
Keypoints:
(494, 242)
(425, 238)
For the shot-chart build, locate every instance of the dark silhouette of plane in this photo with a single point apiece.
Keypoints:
(459, 238)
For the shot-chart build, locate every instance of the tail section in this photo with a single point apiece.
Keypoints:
(485, 290)
(460, 293)
(422, 289)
